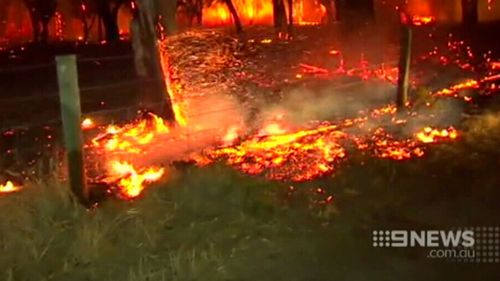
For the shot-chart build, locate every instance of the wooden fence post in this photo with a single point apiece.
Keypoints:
(69, 94)
(404, 66)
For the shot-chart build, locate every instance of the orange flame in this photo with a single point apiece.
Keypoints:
(261, 12)
(9, 187)
(131, 180)
(431, 135)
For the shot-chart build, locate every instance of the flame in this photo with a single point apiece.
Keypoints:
(432, 135)
(422, 20)
(88, 124)
(132, 138)
(131, 181)
(261, 12)
(9, 187)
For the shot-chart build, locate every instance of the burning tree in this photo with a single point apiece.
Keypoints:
(41, 12)
(153, 19)
(108, 12)
(232, 9)
(86, 11)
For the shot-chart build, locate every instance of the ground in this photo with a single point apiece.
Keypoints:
(215, 223)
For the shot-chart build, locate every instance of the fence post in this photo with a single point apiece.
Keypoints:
(69, 94)
(404, 66)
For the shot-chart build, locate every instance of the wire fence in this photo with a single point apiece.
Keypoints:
(25, 141)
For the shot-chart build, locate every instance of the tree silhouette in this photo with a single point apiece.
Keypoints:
(232, 10)
(41, 12)
(86, 12)
(470, 11)
(332, 10)
(108, 12)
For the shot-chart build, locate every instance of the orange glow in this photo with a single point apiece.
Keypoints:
(422, 20)
(431, 135)
(261, 12)
(88, 124)
(131, 180)
(132, 138)
(9, 187)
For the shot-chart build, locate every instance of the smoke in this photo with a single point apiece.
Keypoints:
(301, 106)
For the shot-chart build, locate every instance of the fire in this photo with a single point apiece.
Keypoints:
(431, 135)
(173, 89)
(134, 137)
(261, 12)
(130, 180)
(422, 20)
(297, 156)
(88, 124)
(9, 187)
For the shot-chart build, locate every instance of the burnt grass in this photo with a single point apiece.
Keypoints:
(214, 223)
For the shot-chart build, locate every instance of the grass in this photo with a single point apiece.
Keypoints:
(215, 224)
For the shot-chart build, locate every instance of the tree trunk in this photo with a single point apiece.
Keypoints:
(279, 14)
(290, 16)
(234, 14)
(470, 12)
(110, 21)
(44, 35)
(167, 15)
(35, 24)
(146, 54)
(199, 12)
(331, 11)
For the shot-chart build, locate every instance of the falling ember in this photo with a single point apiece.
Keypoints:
(130, 180)
(9, 187)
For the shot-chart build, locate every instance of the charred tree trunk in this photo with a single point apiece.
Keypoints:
(35, 25)
(110, 21)
(234, 14)
(199, 12)
(166, 15)
(146, 54)
(44, 35)
(470, 12)
(331, 11)
(290, 16)
(279, 14)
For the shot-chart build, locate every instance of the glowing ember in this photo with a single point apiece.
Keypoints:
(430, 135)
(9, 187)
(422, 20)
(131, 181)
(88, 124)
